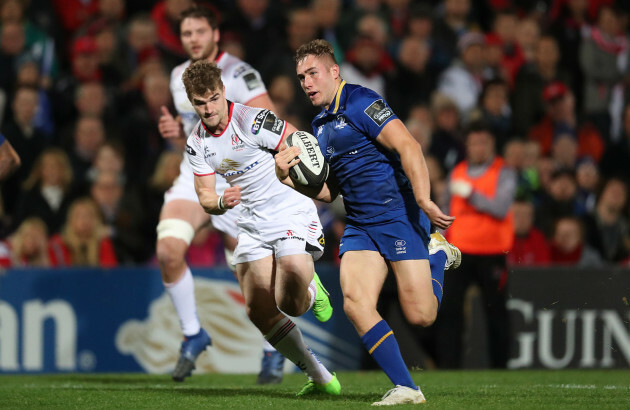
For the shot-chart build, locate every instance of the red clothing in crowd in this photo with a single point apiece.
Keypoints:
(73, 13)
(107, 256)
(589, 141)
(167, 34)
(7, 259)
(530, 250)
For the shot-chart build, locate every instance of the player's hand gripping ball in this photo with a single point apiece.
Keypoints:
(312, 170)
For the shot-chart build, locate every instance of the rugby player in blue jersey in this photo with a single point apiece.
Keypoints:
(380, 171)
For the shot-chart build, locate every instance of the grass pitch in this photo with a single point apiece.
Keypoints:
(444, 390)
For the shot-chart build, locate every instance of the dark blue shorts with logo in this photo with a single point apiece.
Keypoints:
(403, 238)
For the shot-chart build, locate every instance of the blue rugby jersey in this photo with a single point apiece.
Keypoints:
(371, 179)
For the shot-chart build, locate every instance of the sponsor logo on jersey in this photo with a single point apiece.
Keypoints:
(401, 246)
(320, 129)
(227, 165)
(273, 124)
(289, 233)
(252, 81)
(238, 172)
(378, 112)
(190, 151)
(237, 143)
(341, 122)
(207, 154)
(241, 69)
(258, 121)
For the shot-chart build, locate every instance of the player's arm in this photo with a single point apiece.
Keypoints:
(287, 158)
(262, 101)
(394, 136)
(9, 159)
(212, 202)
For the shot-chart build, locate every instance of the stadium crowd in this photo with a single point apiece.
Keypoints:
(83, 83)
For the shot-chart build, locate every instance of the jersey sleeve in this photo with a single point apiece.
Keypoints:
(268, 129)
(369, 112)
(194, 153)
(244, 84)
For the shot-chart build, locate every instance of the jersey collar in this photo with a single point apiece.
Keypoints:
(219, 56)
(339, 98)
(230, 107)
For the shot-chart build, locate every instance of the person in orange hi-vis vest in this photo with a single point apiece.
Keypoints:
(481, 191)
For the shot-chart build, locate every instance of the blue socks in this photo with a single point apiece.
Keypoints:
(437, 261)
(383, 347)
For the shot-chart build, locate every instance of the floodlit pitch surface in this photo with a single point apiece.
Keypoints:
(454, 390)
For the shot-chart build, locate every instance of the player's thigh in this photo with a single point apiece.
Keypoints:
(362, 274)
(415, 288)
(185, 210)
(257, 282)
(293, 274)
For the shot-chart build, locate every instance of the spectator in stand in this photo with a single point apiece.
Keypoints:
(527, 98)
(530, 245)
(420, 24)
(515, 156)
(587, 177)
(494, 109)
(28, 75)
(47, 191)
(89, 134)
(560, 119)
(564, 152)
(84, 241)
(599, 54)
(27, 141)
(616, 159)
(607, 229)
(559, 201)
(326, 14)
(568, 21)
(505, 25)
(206, 249)
(141, 36)
(480, 194)
(568, 247)
(123, 215)
(448, 30)
(28, 247)
(75, 13)
(412, 82)
(110, 157)
(166, 14)
(350, 17)
(367, 64)
(462, 81)
(12, 45)
(282, 93)
(446, 142)
(527, 37)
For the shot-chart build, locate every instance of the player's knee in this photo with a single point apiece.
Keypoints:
(421, 316)
(354, 307)
(170, 253)
(290, 306)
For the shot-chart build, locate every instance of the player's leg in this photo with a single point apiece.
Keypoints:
(179, 220)
(272, 364)
(257, 284)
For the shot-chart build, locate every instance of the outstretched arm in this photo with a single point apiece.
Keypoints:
(395, 137)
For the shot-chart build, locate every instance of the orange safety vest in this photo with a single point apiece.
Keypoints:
(473, 231)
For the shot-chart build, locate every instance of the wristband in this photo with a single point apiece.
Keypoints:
(221, 207)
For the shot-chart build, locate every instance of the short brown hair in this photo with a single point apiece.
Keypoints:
(200, 77)
(318, 48)
(200, 12)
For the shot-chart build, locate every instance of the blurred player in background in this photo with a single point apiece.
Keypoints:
(181, 215)
(380, 170)
(279, 231)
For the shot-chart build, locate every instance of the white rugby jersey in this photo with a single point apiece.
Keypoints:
(242, 84)
(242, 154)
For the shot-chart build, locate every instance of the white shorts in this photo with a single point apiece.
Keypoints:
(184, 189)
(296, 233)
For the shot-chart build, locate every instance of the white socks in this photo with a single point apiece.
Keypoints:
(312, 290)
(267, 347)
(287, 338)
(182, 294)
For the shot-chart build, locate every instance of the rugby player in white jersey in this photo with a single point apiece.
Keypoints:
(181, 214)
(279, 230)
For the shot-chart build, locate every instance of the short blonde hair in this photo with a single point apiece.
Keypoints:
(317, 48)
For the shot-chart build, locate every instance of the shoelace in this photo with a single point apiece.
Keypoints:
(389, 392)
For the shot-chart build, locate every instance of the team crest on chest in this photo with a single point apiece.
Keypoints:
(237, 143)
(340, 123)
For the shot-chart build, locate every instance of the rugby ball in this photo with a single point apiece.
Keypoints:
(312, 170)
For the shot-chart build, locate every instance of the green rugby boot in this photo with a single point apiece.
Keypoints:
(332, 388)
(322, 309)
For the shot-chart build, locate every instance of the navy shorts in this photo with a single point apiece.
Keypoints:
(398, 239)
